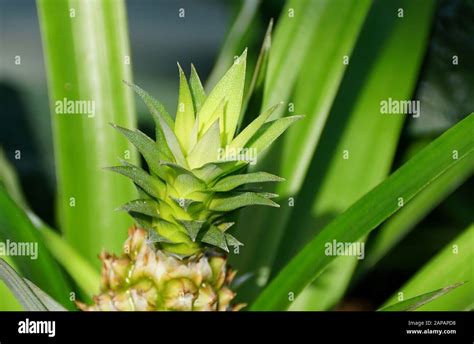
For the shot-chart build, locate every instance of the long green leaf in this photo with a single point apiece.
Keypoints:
(45, 299)
(451, 265)
(9, 178)
(371, 210)
(10, 181)
(20, 288)
(269, 132)
(420, 300)
(250, 130)
(229, 183)
(308, 49)
(26, 292)
(80, 270)
(232, 202)
(205, 150)
(154, 106)
(333, 182)
(140, 177)
(39, 267)
(399, 225)
(197, 91)
(234, 40)
(87, 56)
(254, 95)
(146, 146)
(294, 32)
(8, 301)
(229, 89)
(184, 123)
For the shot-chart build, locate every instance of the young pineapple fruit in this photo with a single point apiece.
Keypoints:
(175, 258)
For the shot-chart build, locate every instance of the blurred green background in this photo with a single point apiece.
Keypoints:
(159, 38)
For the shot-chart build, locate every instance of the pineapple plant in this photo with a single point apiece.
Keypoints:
(175, 256)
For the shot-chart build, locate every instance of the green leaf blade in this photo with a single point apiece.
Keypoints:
(380, 203)
(451, 265)
(231, 89)
(207, 148)
(231, 182)
(248, 132)
(20, 288)
(147, 147)
(184, 122)
(84, 60)
(228, 203)
(149, 184)
(270, 132)
(197, 90)
(419, 301)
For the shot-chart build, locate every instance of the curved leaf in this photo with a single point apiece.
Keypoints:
(80, 270)
(231, 89)
(232, 202)
(452, 264)
(184, 123)
(231, 182)
(16, 226)
(420, 300)
(370, 211)
(20, 288)
(84, 58)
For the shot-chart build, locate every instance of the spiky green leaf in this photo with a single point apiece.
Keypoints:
(147, 147)
(148, 183)
(197, 91)
(269, 132)
(184, 122)
(215, 237)
(154, 237)
(224, 226)
(230, 87)
(153, 104)
(184, 203)
(245, 135)
(143, 206)
(185, 181)
(232, 241)
(235, 201)
(171, 141)
(218, 116)
(231, 182)
(192, 227)
(207, 148)
(218, 169)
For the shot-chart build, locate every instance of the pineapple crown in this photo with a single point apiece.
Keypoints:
(197, 164)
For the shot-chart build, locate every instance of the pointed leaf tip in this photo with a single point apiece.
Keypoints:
(231, 87)
(197, 90)
(185, 114)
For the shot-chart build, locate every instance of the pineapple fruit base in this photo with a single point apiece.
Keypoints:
(144, 278)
